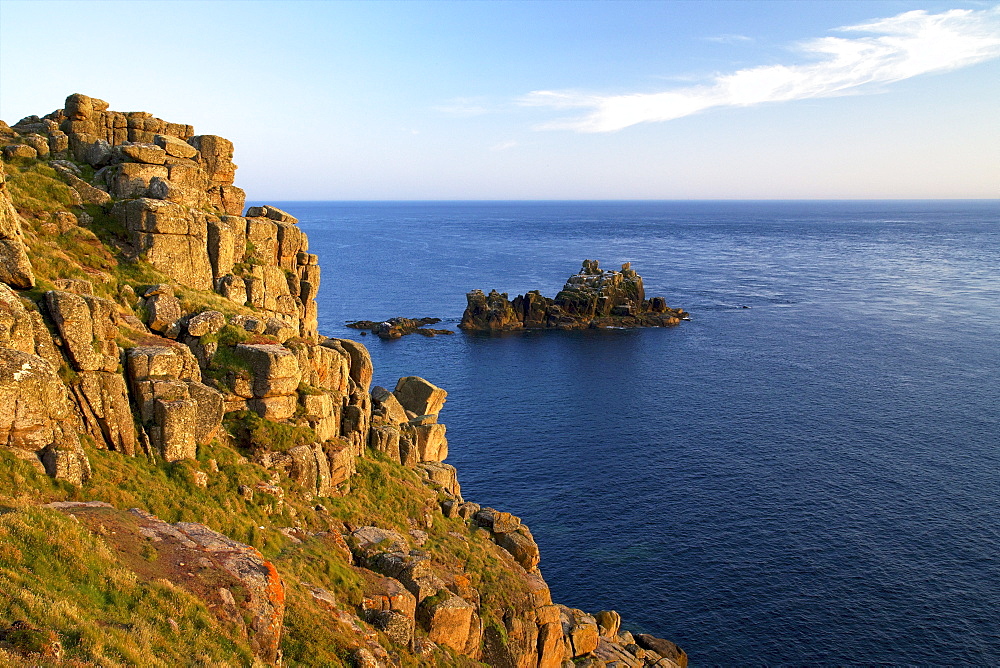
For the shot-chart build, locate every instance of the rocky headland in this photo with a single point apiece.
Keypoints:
(594, 298)
(194, 475)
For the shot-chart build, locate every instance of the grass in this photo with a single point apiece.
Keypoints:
(35, 188)
(59, 576)
(251, 431)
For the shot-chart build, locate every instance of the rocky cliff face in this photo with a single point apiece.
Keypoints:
(594, 298)
(146, 318)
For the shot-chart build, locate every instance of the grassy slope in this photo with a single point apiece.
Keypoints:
(61, 577)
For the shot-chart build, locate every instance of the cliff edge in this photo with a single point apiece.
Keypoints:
(192, 473)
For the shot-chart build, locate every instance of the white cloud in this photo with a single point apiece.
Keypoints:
(505, 145)
(464, 106)
(730, 39)
(899, 47)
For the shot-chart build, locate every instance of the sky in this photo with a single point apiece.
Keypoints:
(544, 99)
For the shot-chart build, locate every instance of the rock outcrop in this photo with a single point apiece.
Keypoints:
(146, 315)
(233, 577)
(15, 269)
(593, 298)
(395, 328)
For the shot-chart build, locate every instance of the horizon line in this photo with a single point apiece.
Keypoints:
(638, 200)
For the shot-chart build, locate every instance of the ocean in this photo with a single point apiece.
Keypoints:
(806, 473)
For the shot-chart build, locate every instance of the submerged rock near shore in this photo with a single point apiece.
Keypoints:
(190, 473)
(594, 298)
(395, 328)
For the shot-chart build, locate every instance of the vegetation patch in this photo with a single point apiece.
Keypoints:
(252, 431)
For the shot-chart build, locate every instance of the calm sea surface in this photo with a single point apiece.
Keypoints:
(811, 480)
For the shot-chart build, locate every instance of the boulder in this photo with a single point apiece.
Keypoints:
(613, 654)
(385, 594)
(37, 419)
(14, 151)
(208, 415)
(98, 154)
(86, 327)
(550, 636)
(310, 467)
(216, 157)
(384, 439)
(161, 362)
(103, 400)
(360, 360)
(175, 147)
(87, 193)
(79, 107)
(340, 456)
(271, 212)
(664, 648)
(579, 630)
(222, 245)
(39, 143)
(419, 396)
(274, 408)
(443, 475)
(175, 428)
(608, 622)
(368, 541)
(522, 546)
(164, 315)
(16, 327)
(431, 444)
(149, 154)
(232, 288)
(497, 521)
(206, 322)
(387, 402)
(168, 235)
(275, 369)
(448, 620)
(279, 329)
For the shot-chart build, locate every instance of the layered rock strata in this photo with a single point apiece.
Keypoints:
(202, 331)
(594, 298)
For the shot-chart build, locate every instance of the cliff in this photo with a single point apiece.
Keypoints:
(594, 298)
(192, 474)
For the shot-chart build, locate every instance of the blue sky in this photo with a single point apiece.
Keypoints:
(542, 100)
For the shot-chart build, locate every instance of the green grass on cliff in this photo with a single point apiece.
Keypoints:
(59, 576)
(252, 431)
(35, 188)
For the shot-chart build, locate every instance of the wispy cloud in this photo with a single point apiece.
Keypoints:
(730, 39)
(505, 145)
(896, 48)
(464, 106)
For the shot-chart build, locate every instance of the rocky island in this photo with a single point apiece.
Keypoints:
(594, 298)
(193, 475)
(395, 328)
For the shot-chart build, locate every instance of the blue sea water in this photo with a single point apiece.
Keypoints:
(814, 480)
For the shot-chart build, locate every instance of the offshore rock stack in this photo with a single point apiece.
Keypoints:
(592, 299)
(190, 324)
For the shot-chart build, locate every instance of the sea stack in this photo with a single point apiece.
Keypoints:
(594, 298)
